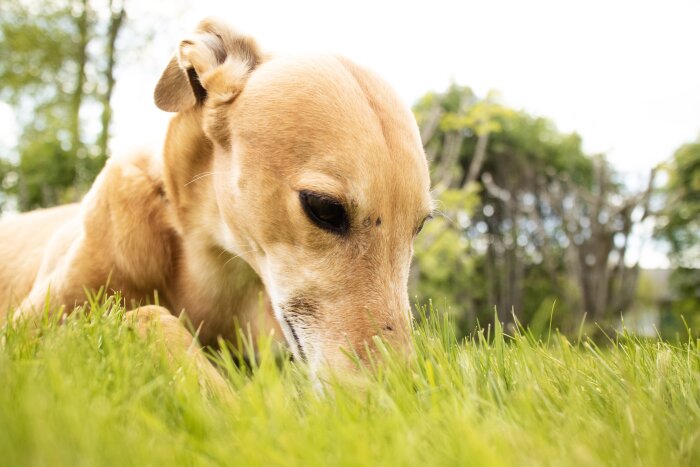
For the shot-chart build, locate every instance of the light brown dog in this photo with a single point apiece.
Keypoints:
(301, 180)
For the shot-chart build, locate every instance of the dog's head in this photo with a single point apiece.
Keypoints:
(321, 183)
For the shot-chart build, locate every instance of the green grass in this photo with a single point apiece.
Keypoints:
(92, 392)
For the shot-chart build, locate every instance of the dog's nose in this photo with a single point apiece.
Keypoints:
(398, 336)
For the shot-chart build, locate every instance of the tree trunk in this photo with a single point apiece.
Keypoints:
(478, 159)
(118, 14)
(81, 58)
(81, 61)
(452, 146)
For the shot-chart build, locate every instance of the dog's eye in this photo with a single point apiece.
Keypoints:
(420, 227)
(325, 212)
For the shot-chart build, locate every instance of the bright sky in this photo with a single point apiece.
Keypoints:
(625, 75)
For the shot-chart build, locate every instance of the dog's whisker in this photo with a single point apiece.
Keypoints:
(231, 259)
(201, 176)
(223, 250)
(238, 255)
(234, 257)
(243, 251)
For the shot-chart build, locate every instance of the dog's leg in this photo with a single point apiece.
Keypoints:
(63, 286)
(181, 346)
(122, 239)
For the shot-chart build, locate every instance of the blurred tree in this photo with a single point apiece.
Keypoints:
(117, 12)
(58, 65)
(547, 222)
(679, 224)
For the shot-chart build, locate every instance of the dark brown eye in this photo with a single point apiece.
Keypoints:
(325, 212)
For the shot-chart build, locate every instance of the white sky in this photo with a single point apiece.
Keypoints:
(625, 75)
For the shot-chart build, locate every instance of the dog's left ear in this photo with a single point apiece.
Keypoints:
(211, 65)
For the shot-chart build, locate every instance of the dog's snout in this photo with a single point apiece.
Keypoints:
(322, 329)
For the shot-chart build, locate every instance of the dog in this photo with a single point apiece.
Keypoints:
(288, 195)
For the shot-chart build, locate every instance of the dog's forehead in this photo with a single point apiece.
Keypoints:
(326, 115)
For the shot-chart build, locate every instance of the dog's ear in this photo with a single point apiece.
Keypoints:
(215, 60)
(173, 92)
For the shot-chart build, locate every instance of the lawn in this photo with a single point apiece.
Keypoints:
(94, 392)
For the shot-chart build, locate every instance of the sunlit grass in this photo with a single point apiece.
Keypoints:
(92, 391)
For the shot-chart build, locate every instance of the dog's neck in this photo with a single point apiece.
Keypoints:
(209, 281)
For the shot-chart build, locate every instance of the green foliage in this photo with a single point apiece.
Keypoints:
(445, 270)
(92, 392)
(680, 227)
(685, 283)
(481, 116)
(8, 176)
(491, 249)
(48, 173)
(533, 146)
(681, 216)
(52, 69)
(36, 45)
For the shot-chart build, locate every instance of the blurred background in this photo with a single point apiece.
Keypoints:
(563, 137)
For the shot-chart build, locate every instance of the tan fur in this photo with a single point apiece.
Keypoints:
(217, 227)
(179, 343)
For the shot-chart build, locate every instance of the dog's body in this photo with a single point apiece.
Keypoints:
(23, 241)
(293, 186)
(124, 235)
